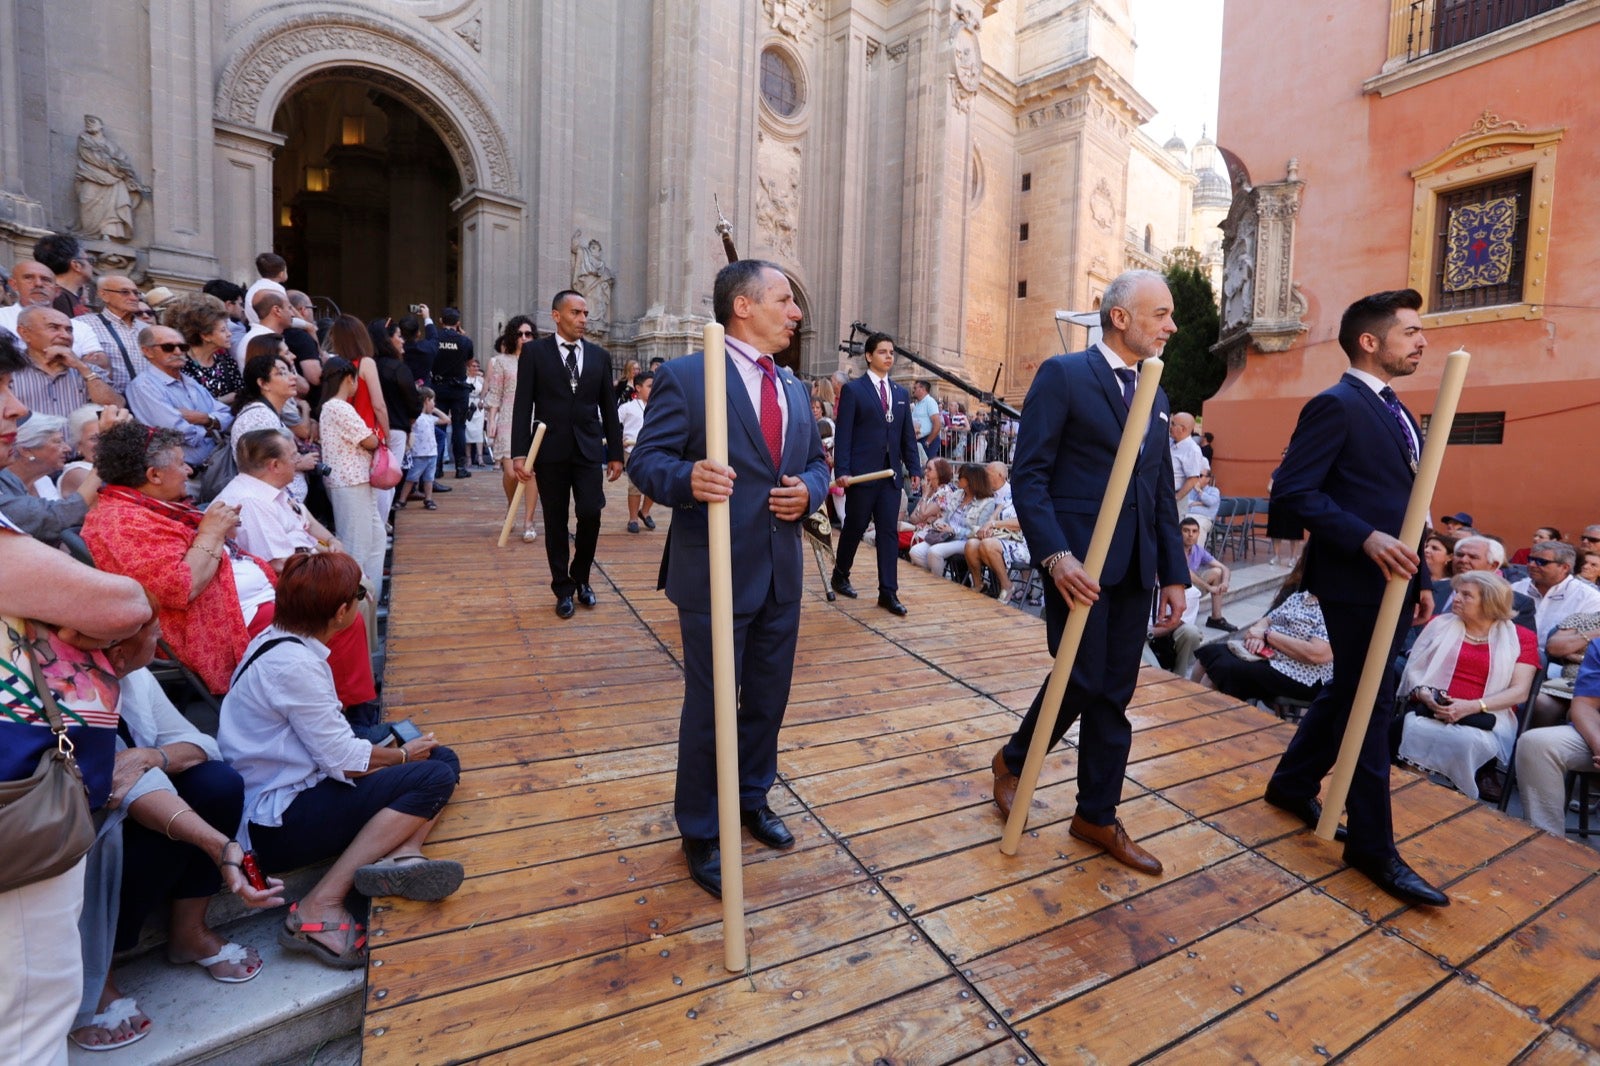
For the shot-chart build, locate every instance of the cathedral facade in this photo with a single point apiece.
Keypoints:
(951, 171)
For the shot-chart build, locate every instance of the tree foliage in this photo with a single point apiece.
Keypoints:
(1193, 372)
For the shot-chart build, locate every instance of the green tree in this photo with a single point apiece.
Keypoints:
(1193, 372)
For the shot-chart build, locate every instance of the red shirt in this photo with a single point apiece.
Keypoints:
(1472, 665)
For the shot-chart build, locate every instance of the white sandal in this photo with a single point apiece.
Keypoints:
(530, 534)
(117, 1013)
(237, 954)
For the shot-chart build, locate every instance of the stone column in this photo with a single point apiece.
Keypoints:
(22, 218)
(182, 206)
(242, 172)
(492, 229)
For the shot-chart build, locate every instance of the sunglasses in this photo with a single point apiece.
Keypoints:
(524, 332)
(361, 593)
(1536, 561)
(1589, 540)
(170, 347)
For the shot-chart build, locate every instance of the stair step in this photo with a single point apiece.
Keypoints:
(293, 1005)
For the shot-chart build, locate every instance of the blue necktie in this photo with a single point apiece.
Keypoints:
(1128, 376)
(1392, 402)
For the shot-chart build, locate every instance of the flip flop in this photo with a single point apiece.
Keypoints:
(293, 936)
(237, 954)
(117, 1012)
(410, 877)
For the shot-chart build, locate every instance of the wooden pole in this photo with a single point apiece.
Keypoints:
(876, 475)
(726, 700)
(1133, 433)
(1394, 594)
(516, 494)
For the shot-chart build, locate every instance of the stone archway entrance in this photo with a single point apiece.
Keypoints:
(794, 356)
(361, 194)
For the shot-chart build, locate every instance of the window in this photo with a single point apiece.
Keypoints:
(780, 85)
(1481, 247)
(1458, 21)
(1481, 427)
(1027, 181)
(1022, 232)
(1022, 290)
(1149, 239)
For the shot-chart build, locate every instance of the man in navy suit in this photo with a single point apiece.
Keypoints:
(1347, 478)
(776, 476)
(1072, 422)
(874, 433)
(566, 382)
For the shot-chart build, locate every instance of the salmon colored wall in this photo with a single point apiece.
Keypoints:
(1291, 87)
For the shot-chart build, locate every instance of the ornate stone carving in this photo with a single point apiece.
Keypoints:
(370, 47)
(966, 56)
(897, 51)
(471, 31)
(108, 186)
(791, 17)
(1487, 123)
(1261, 304)
(1102, 208)
(778, 197)
(594, 279)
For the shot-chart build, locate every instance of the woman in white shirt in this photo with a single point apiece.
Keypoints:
(269, 387)
(347, 447)
(313, 790)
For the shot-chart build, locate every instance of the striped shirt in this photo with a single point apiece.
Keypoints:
(110, 330)
(60, 394)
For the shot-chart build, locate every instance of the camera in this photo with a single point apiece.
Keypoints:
(415, 308)
(322, 470)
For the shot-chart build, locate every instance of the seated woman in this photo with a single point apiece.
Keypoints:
(212, 595)
(1463, 681)
(1284, 654)
(313, 790)
(39, 454)
(947, 535)
(84, 427)
(939, 494)
(267, 392)
(999, 545)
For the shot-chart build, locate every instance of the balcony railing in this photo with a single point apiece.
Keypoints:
(1435, 25)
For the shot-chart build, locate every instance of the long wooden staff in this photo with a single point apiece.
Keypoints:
(516, 495)
(1094, 562)
(876, 475)
(1394, 594)
(726, 700)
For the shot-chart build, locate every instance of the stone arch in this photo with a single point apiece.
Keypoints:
(276, 58)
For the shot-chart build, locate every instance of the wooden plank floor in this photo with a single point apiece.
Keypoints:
(895, 931)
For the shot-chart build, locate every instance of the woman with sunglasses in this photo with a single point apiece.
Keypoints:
(314, 791)
(498, 393)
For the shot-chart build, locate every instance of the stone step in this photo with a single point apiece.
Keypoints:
(295, 1004)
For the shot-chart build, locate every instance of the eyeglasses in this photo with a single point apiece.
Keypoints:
(121, 292)
(169, 347)
(1534, 560)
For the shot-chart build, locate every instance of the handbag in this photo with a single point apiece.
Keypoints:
(385, 475)
(45, 826)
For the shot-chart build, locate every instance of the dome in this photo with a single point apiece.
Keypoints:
(1175, 144)
(1213, 190)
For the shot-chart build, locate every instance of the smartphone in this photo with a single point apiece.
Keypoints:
(415, 308)
(1442, 698)
(404, 731)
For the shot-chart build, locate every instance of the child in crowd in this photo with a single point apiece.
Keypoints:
(424, 451)
(631, 415)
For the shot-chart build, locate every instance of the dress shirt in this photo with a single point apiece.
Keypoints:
(1570, 596)
(561, 350)
(58, 394)
(631, 415)
(154, 722)
(1377, 385)
(272, 525)
(876, 382)
(750, 373)
(260, 415)
(282, 727)
(155, 399)
(109, 329)
(1116, 362)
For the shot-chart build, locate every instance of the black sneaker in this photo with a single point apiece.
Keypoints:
(1222, 624)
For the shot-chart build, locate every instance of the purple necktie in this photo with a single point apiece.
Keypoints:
(1392, 402)
(883, 396)
(1128, 376)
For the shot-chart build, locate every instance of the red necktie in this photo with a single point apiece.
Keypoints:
(771, 413)
(883, 396)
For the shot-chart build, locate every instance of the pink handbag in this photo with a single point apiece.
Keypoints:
(385, 474)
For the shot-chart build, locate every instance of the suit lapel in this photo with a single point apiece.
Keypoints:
(739, 402)
(1381, 410)
(1109, 385)
(799, 400)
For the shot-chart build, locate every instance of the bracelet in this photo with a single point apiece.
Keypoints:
(1051, 560)
(165, 762)
(214, 554)
(176, 815)
(1483, 707)
(405, 756)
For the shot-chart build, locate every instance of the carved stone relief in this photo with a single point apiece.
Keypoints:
(778, 195)
(1261, 303)
(792, 18)
(471, 31)
(966, 56)
(594, 279)
(1101, 206)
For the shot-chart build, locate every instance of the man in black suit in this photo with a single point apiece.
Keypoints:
(873, 432)
(567, 384)
(1072, 424)
(1347, 477)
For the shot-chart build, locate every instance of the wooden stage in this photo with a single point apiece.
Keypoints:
(895, 931)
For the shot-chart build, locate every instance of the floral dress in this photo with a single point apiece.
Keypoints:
(222, 378)
(499, 394)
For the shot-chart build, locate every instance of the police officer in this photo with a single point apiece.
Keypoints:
(450, 383)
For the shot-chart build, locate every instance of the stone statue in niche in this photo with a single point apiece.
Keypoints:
(107, 185)
(1238, 277)
(594, 280)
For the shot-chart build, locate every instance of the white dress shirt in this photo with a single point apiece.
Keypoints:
(750, 373)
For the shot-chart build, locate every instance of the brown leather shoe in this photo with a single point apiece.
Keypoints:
(1117, 843)
(1005, 785)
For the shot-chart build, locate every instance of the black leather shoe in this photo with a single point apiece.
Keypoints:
(1399, 880)
(1308, 811)
(462, 471)
(841, 585)
(705, 864)
(439, 486)
(564, 608)
(586, 595)
(891, 603)
(767, 827)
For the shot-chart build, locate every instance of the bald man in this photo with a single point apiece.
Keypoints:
(36, 287)
(1188, 463)
(56, 381)
(117, 329)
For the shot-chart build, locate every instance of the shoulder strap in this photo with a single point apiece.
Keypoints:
(259, 652)
(123, 348)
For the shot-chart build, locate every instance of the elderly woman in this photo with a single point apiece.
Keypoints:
(964, 514)
(202, 319)
(212, 596)
(999, 545)
(268, 391)
(83, 433)
(1467, 672)
(39, 453)
(313, 790)
(1284, 654)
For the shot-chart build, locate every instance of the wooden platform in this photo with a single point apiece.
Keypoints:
(896, 932)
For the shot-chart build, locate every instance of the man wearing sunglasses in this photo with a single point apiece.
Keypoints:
(166, 397)
(1556, 593)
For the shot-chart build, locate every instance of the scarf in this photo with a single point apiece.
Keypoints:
(1453, 750)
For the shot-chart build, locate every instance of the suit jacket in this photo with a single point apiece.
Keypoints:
(865, 441)
(580, 426)
(1072, 422)
(766, 549)
(1347, 472)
